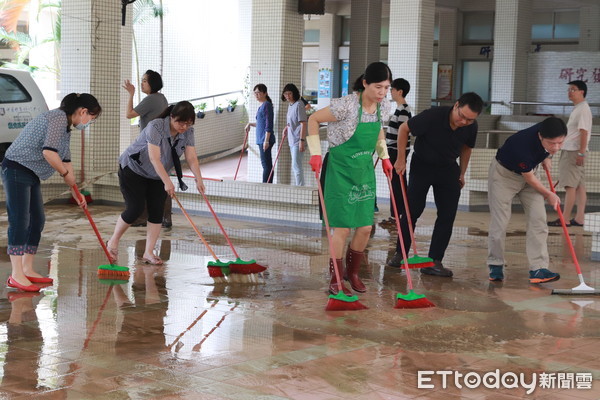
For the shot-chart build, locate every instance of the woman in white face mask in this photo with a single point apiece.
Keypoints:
(42, 148)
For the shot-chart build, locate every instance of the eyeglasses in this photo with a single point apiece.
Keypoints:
(462, 116)
(573, 90)
(185, 124)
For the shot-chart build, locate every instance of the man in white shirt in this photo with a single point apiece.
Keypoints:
(573, 153)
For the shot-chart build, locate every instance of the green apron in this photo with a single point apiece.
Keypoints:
(350, 177)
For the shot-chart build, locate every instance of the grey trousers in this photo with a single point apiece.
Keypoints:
(503, 186)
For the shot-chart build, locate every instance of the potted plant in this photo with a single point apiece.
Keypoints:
(200, 108)
(232, 104)
(219, 109)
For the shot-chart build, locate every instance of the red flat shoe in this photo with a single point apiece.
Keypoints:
(12, 296)
(35, 279)
(10, 282)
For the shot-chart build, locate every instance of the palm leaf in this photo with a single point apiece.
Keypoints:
(10, 10)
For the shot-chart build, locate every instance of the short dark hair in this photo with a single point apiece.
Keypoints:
(581, 85)
(401, 84)
(71, 102)
(553, 127)
(154, 81)
(261, 87)
(472, 100)
(290, 87)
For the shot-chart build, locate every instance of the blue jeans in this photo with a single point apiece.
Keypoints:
(25, 208)
(297, 158)
(267, 162)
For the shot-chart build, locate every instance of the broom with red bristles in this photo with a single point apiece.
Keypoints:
(238, 266)
(415, 261)
(339, 301)
(411, 299)
(108, 270)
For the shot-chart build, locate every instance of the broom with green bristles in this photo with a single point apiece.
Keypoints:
(106, 270)
(411, 299)
(415, 261)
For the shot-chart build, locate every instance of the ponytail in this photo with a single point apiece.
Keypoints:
(71, 102)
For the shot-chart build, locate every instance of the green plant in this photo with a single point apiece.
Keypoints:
(232, 102)
(200, 107)
(219, 109)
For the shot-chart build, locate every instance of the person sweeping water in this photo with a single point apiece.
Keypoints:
(354, 131)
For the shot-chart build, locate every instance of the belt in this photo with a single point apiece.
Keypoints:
(504, 166)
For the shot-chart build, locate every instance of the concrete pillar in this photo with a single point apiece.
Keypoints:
(365, 36)
(329, 27)
(410, 52)
(589, 28)
(512, 40)
(446, 49)
(93, 39)
(276, 59)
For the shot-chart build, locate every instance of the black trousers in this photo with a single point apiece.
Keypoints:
(396, 185)
(446, 192)
(139, 192)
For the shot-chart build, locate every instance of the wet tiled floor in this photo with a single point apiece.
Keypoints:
(170, 332)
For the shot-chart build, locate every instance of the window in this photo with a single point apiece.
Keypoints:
(312, 35)
(310, 81)
(385, 31)
(11, 90)
(555, 25)
(478, 27)
(436, 27)
(476, 78)
(346, 30)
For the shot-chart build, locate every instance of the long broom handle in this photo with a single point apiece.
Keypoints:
(277, 156)
(564, 227)
(408, 217)
(187, 216)
(214, 214)
(98, 317)
(241, 155)
(89, 217)
(336, 268)
(400, 239)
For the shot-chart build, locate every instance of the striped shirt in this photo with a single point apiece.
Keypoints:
(401, 115)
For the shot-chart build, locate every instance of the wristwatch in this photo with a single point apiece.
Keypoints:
(303, 140)
(63, 175)
(581, 154)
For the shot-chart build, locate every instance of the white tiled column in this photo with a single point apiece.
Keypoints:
(328, 53)
(410, 53)
(447, 41)
(277, 33)
(589, 28)
(91, 62)
(512, 40)
(365, 36)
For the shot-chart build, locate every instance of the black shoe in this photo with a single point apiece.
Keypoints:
(167, 224)
(395, 261)
(437, 270)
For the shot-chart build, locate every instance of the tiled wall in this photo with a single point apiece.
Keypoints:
(411, 47)
(512, 37)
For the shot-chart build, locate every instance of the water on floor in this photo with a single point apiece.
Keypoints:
(171, 332)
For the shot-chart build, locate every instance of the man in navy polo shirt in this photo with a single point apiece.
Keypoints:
(442, 134)
(513, 173)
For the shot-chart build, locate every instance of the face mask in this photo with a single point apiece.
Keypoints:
(81, 126)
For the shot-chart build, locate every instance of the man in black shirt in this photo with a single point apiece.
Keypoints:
(442, 134)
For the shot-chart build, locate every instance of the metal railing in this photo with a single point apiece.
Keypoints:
(218, 99)
(564, 105)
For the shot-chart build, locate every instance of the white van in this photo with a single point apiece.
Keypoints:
(20, 101)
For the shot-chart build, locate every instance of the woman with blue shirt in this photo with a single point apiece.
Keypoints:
(144, 173)
(264, 129)
(42, 148)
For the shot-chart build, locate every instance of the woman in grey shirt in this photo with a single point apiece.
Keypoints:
(144, 173)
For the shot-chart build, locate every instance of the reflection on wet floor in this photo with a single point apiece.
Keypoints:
(170, 332)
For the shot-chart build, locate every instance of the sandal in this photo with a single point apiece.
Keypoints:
(154, 260)
(557, 222)
(574, 223)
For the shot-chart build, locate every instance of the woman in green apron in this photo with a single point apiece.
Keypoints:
(354, 131)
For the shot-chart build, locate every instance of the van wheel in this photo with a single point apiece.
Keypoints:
(3, 148)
